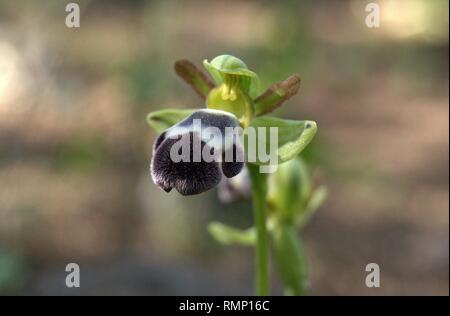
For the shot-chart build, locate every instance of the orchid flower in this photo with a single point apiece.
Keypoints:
(232, 100)
(234, 95)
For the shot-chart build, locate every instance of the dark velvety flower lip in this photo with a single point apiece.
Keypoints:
(193, 176)
(187, 177)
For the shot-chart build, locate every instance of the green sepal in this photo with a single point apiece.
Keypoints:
(163, 119)
(293, 136)
(227, 66)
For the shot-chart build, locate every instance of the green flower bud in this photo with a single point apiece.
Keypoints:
(289, 190)
(290, 260)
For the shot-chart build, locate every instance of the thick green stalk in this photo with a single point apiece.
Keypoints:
(259, 191)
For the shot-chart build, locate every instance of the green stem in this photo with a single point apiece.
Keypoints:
(259, 190)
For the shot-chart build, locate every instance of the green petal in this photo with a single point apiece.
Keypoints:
(193, 76)
(163, 119)
(293, 136)
(276, 95)
(225, 65)
(228, 235)
(215, 73)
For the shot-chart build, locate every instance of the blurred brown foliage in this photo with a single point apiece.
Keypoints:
(75, 148)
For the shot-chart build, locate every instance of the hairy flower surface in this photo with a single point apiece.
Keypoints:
(179, 160)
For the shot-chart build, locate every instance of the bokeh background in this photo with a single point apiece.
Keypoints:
(75, 147)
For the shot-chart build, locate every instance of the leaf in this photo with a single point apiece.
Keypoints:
(293, 137)
(278, 93)
(290, 260)
(193, 76)
(228, 235)
(163, 119)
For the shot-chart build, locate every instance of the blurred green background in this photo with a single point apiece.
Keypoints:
(75, 148)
